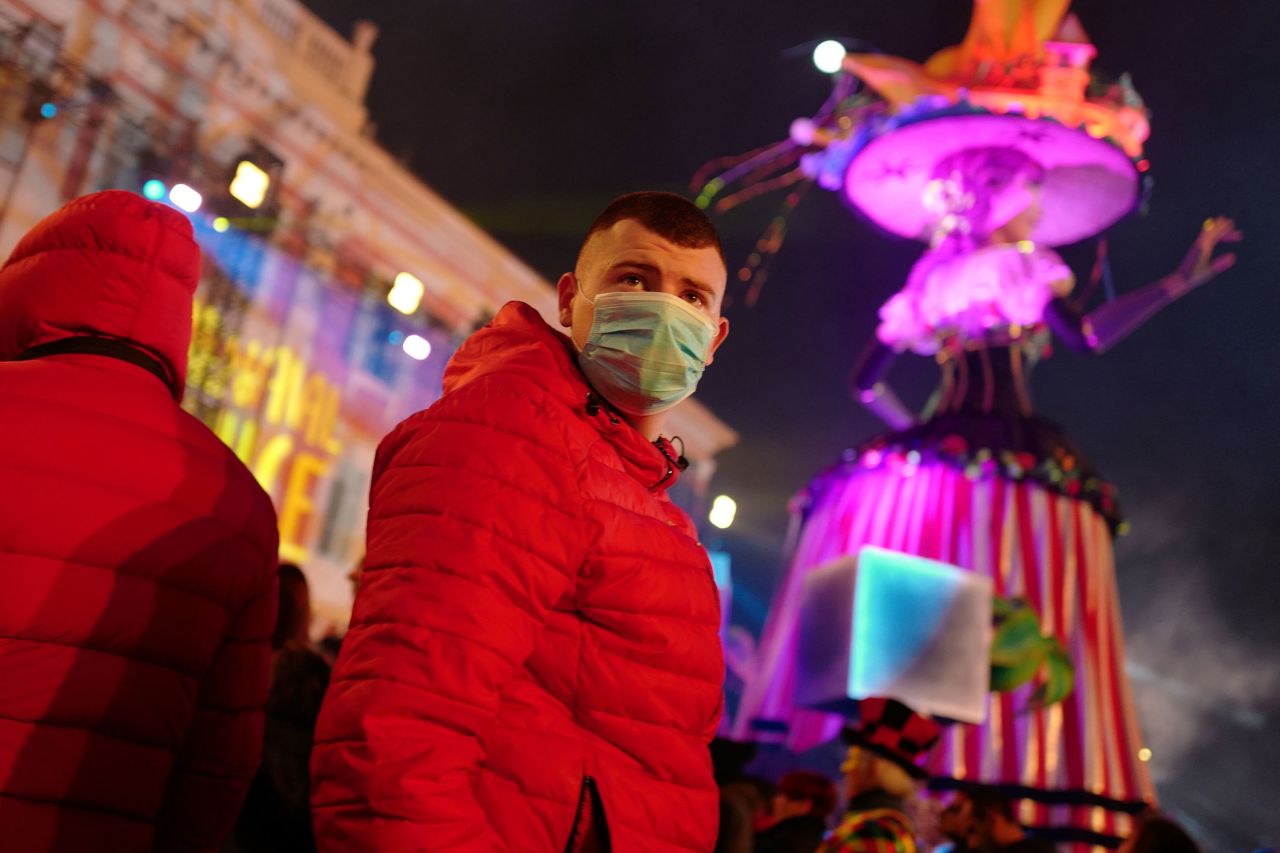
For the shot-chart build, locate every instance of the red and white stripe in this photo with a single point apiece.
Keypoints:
(1034, 543)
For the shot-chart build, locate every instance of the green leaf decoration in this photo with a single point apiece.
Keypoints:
(1059, 679)
(1003, 608)
(1020, 653)
(1017, 638)
(1006, 678)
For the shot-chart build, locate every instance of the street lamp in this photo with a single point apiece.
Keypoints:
(250, 184)
(417, 347)
(406, 293)
(723, 509)
(185, 198)
(829, 56)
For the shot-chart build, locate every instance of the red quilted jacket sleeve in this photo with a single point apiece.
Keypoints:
(474, 533)
(213, 772)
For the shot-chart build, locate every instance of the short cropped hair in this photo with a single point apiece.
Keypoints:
(812, 787)
(985, 802)
(672, 217)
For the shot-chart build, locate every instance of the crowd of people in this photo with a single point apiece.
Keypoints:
(533, 660)
(885, 811)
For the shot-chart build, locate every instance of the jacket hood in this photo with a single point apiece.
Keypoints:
(109, 265)
(519, 341)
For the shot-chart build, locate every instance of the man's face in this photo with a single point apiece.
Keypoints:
(784, 807)
(859, 771)
(629, 258)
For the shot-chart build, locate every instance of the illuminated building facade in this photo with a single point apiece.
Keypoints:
(249, 115)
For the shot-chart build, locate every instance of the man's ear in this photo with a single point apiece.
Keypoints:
(721, 334)
(566, 289)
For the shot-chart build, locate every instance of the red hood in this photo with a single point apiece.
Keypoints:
(110, 264)
(519, 342)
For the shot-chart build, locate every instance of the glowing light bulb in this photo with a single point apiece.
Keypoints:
(829, 56)
(723, 509)
(186, 198)
(250, 184)
(406, 293)
(417, 347)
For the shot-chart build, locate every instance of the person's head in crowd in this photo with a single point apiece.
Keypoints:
(992, 823)
(955, 819)
(803, 792)
(887, 747)
(865, 771)
(1159, 835)
(293, 612)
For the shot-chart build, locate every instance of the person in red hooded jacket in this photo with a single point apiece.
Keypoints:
(533, 661)
(137, 555)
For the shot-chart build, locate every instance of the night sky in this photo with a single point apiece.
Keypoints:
(529, 117)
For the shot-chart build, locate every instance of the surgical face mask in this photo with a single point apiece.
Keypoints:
(645, 351)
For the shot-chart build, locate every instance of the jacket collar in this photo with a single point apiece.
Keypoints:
(518, 341)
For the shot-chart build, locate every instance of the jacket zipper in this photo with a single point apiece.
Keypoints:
(584, 794)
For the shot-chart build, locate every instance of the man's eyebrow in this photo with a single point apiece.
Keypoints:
(653, 268)
(643, 265)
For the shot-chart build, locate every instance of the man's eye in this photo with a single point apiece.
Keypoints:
(695, 297)
(631, 278)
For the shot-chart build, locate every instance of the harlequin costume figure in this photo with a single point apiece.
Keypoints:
(881, 773)
(993, 159)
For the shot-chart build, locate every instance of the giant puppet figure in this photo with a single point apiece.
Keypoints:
(992, 153)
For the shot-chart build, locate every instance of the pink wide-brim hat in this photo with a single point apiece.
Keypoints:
(1089, 184)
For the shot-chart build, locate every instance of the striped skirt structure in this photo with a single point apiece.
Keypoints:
(1075, 765)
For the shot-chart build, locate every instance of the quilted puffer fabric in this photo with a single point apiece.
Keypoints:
(536, 627)
(137, 554)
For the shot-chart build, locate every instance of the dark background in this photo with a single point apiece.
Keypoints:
(531, 116)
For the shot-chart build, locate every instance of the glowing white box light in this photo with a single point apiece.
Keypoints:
(883, 623)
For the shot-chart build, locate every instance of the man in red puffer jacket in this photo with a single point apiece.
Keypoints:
(533, 662)
(137, 555)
